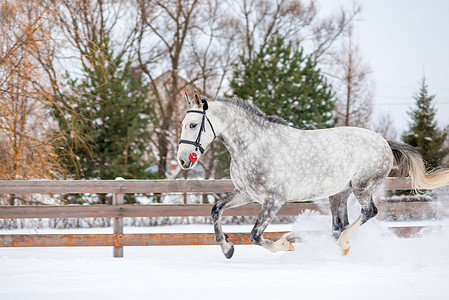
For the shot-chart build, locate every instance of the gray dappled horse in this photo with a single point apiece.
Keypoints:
(273, 163)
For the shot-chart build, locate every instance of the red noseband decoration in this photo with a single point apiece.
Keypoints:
(193, 157)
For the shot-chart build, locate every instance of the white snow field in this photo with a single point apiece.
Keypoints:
(379, 266)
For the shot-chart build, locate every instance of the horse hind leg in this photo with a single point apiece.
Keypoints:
(345, 238)
(364, 194)
(339, 211)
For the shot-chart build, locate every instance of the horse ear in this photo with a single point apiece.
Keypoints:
(197, 100)
(186, 97)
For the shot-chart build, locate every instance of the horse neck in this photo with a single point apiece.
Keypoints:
(235, 127)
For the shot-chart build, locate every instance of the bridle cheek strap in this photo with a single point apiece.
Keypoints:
(197, 142)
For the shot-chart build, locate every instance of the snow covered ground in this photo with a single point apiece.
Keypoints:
(379, 266)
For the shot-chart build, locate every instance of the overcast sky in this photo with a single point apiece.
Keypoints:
(402, 40)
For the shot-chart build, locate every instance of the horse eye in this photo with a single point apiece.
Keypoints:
(193, 125)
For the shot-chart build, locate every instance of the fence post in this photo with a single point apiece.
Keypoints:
(118, 199)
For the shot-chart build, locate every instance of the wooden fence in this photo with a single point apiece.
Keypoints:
(118, 211)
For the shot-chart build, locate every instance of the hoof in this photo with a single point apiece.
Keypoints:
(291, 247)
(344, 245)
(280, 245)
(228, 250)
(287, 237)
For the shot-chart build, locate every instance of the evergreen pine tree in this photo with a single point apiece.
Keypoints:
(104, 118)
(423, 132)
(281, 80)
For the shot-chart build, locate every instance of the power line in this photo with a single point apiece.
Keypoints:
(403, 103)
(437, 99)
(411, 88)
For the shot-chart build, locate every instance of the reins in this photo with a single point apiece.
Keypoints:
(197, 142)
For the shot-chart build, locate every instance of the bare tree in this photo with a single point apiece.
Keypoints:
(212, 47)
(258, 21)
(164, 29)
(354, 86)
(26, 151)
(84, 22)
(385, 127)
(297, 21)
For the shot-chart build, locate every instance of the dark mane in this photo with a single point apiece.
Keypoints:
(249, 107)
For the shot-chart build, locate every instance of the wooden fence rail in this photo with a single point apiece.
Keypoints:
(153, 210)
(118, 211)
(138, 186)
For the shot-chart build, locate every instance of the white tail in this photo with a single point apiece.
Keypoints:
(410, 162)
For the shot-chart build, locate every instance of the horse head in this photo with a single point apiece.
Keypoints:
(197, 132)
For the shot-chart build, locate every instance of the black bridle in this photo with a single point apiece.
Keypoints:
(197, 142)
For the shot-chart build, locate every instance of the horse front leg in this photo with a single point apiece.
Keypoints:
(267, 213)
(234, 199)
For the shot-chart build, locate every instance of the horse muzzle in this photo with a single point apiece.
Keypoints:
(185, 164)
(188, 163)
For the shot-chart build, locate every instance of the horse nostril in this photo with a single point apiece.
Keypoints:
(182, 162)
